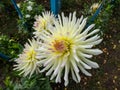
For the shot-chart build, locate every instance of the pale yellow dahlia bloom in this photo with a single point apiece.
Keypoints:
(43, 23)
(94, 7)
(68, 49)
(27, 63)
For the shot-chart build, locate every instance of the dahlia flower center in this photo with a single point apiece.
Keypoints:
(43, 23)
(31, 54)
(61, 46)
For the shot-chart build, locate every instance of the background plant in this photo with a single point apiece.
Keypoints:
(36, 82)
(103, 17)
(29, 9)
(9, 46)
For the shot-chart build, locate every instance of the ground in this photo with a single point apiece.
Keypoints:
(107, 77)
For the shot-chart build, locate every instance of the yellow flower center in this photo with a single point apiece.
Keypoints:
(43, 23)
(31, 54)
(61, 46)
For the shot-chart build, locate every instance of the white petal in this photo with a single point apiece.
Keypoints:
(93, 51)
(73, 75)
(58, 78)
(96, 42)
(66, 74)
(47, 67)
(85, 55)
(94, 38)
(93, 32)
(85, 46)
(70, 15)
(84, 71)
(81, 18)
(52, 77)
(57, 68)
(78, 76)
(75, 55)
(33, 69)
(48, 61)
(85, 65)
(50, 71)
(91, 63)
(82, 25)
(64, 62)
(41, 61)
(88, 29)
(65, 58)
(73, 63)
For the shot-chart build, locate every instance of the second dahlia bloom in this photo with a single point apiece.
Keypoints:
(43, 23)
(68, 49)
(26, 63)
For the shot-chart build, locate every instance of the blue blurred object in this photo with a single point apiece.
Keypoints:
(55, 6)
(4, 56)
(17, 9)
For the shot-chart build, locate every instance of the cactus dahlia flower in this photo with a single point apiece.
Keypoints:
(43, 23)
(94, 7)
(68, 49)
(27, 61)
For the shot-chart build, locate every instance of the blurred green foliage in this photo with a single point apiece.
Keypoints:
(9, 46)
(102, 20)
(36, 82)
